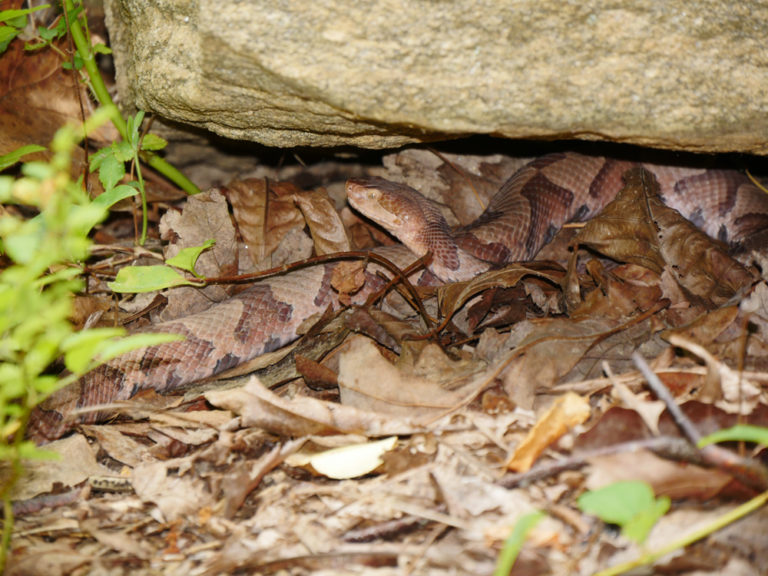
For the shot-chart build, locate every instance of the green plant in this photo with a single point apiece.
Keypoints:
(514, 543)
(738, 433)
(630, 505)
(110, 163)
(78, 27)
(75, 22)
(36, 294)
(651, 556)
(43, 253)
(15, 21)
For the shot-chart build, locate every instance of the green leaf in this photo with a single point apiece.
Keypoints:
(631, 505)
(11, 381)
(24, 245)
(738, 433)
(187, 257)
(641, 525)
(148, 278)
(6, 188)
(8, 15)
(102, 49)
(29, 451)
(153, 142)
(115, 195)
(7, 34)
(82, 219)
(78, 62)
(111, 171)
(514, 543)
(38, 170)
(11, 158)
(99, 156)
(81, 348)
(47, 384)
(123, 151)
(116, 348)
(48, 34)
(134, 128)
(37, 46)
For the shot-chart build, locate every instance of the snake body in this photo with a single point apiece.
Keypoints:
(523, 216)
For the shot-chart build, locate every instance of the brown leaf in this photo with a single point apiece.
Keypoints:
(121, 540)
(204, 217)
(638, 227)
(453, 296)
(75, 464)
(324, 222)
(673, 479)
(175, 496)
(264, 216)
(547, 349)
(567, 411)
(302, 416)
(37, 97)
(620, 292)
(317, 376)
(348, 277)
(380, 326)
(433, 386)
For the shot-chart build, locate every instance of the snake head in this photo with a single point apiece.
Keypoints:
(395, 207)
(416, 221)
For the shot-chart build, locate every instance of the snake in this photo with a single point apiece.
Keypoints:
(524, 215)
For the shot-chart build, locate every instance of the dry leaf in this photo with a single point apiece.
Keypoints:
(317, 376)
(303, 416)
(368, 381)
(638, 227)
(76, 464)
(568, 411)
(345, 462)
(676, 480)
(175, 496)
(454, 295)
(348, 277)
(325, 225)
(264, 216)
(205, 216)
(37, 97)
(120, 540)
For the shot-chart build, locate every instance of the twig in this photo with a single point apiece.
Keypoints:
(746, 470)
(665, 446)
(663, 394)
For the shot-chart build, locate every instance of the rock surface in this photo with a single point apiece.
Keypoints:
(381, 73)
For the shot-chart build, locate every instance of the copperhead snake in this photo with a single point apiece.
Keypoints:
(526, 212)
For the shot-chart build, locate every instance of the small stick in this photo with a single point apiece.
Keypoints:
(663, 394)
(748, 471)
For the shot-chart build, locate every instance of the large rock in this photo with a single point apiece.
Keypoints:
(377, 73)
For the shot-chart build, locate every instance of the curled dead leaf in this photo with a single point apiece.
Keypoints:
(303, 416)
(369, 381)
(638, 227)
(325, 225)
(567, 411)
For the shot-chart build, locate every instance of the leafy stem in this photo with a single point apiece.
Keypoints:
(101, 93)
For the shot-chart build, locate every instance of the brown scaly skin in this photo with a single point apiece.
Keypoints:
(533, 204)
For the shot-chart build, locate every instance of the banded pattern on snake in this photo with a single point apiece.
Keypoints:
(523, 216)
